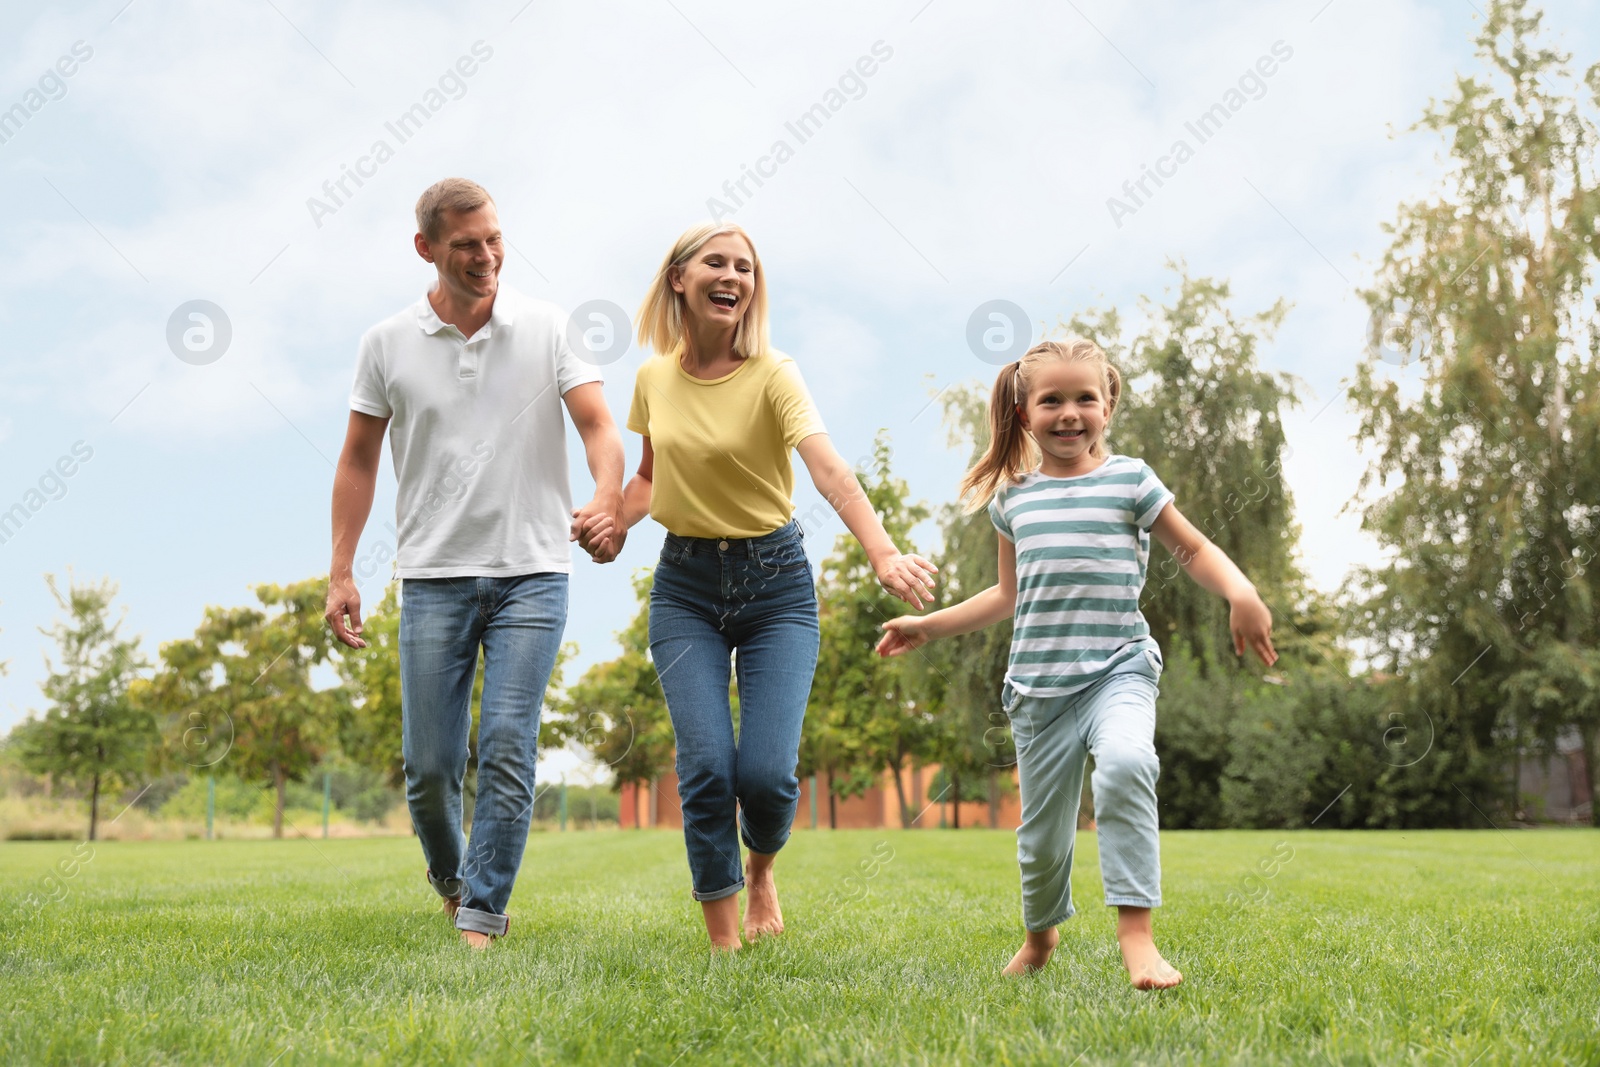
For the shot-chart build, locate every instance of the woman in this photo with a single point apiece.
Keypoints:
(720, 410)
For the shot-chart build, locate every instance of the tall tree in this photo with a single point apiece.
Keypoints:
(369, 715)
(248, 670)
(91, 734)
(1483, 302)
(618, 710)
(862, 717)
(962, 678)
(1199, 410)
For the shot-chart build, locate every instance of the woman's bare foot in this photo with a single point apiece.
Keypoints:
(762, 916)
(722, 922)
(1147, 969)
(1034, 953)
(477, 940)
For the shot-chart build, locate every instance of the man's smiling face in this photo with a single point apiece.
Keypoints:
(468, 253)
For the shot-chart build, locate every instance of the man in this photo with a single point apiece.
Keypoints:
(472, 377)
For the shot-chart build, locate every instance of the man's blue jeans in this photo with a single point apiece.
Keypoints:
(519, 622)
(752, 598)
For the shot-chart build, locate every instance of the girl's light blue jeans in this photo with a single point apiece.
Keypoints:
(1115, 721)
(752, 600)
(443, 621)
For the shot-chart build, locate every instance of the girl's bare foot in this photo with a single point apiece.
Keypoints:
(762, 916)
(477, 940)
(1034, 953)
(722, 922)
(1147, 969)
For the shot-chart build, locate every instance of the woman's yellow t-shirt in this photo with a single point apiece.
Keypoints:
(722, 445)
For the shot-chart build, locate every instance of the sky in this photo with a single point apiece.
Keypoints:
(178, 152)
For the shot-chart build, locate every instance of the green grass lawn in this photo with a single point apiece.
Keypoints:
(1416, 947)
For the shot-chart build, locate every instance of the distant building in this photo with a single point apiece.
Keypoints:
(1554, 788)
(655, 805)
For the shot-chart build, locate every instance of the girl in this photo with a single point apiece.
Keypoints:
(1074, 522)
(720, 410)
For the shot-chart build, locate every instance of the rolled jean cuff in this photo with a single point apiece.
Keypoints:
(769, 847)
(483, 922)
(1053, 923)
(447, 887)
(720, 893)
(1133, 902)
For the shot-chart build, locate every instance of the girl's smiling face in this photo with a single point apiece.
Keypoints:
(1066, 412)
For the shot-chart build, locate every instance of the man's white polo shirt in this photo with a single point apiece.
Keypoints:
(477, 435)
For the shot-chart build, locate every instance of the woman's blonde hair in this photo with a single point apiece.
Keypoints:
(661, 324)
(1012, 452)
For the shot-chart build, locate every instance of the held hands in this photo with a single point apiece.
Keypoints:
(597, 529)
(344, 599)
(1251, 624)
(908, 577)
(901, 635)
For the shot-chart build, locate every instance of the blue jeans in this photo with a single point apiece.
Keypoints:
(712, 598)
(1115, 720)
(519, 622)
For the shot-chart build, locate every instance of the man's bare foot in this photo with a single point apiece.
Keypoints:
(722, 922)
(477, 940)
(1035, 952)
(1147, 969)
(762, 916)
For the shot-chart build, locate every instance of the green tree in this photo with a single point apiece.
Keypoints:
(618, 710)
(1483, 301)
(245, 676)
(862, 716)
(369, 715)
(961, 678)
(1197, 407)
(92, 734)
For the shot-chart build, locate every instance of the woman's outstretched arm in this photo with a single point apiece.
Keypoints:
(907, 576)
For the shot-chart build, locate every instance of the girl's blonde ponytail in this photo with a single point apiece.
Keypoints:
(1011, 451)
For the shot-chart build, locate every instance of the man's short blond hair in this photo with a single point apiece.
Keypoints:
(451, 194)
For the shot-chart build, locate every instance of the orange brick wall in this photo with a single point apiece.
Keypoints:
(642, 805)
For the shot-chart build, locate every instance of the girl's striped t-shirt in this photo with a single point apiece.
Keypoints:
(1083, 545)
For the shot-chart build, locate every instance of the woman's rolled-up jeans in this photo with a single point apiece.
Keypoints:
(751, 599)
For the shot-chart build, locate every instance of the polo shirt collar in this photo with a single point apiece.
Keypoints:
(430, 323)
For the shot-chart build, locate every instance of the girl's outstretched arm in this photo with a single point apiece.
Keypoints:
(983, 609)
(1208, 565)
(907, 576)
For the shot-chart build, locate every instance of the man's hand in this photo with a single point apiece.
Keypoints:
(344, 599)
(596, 528)
(1251, 624)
